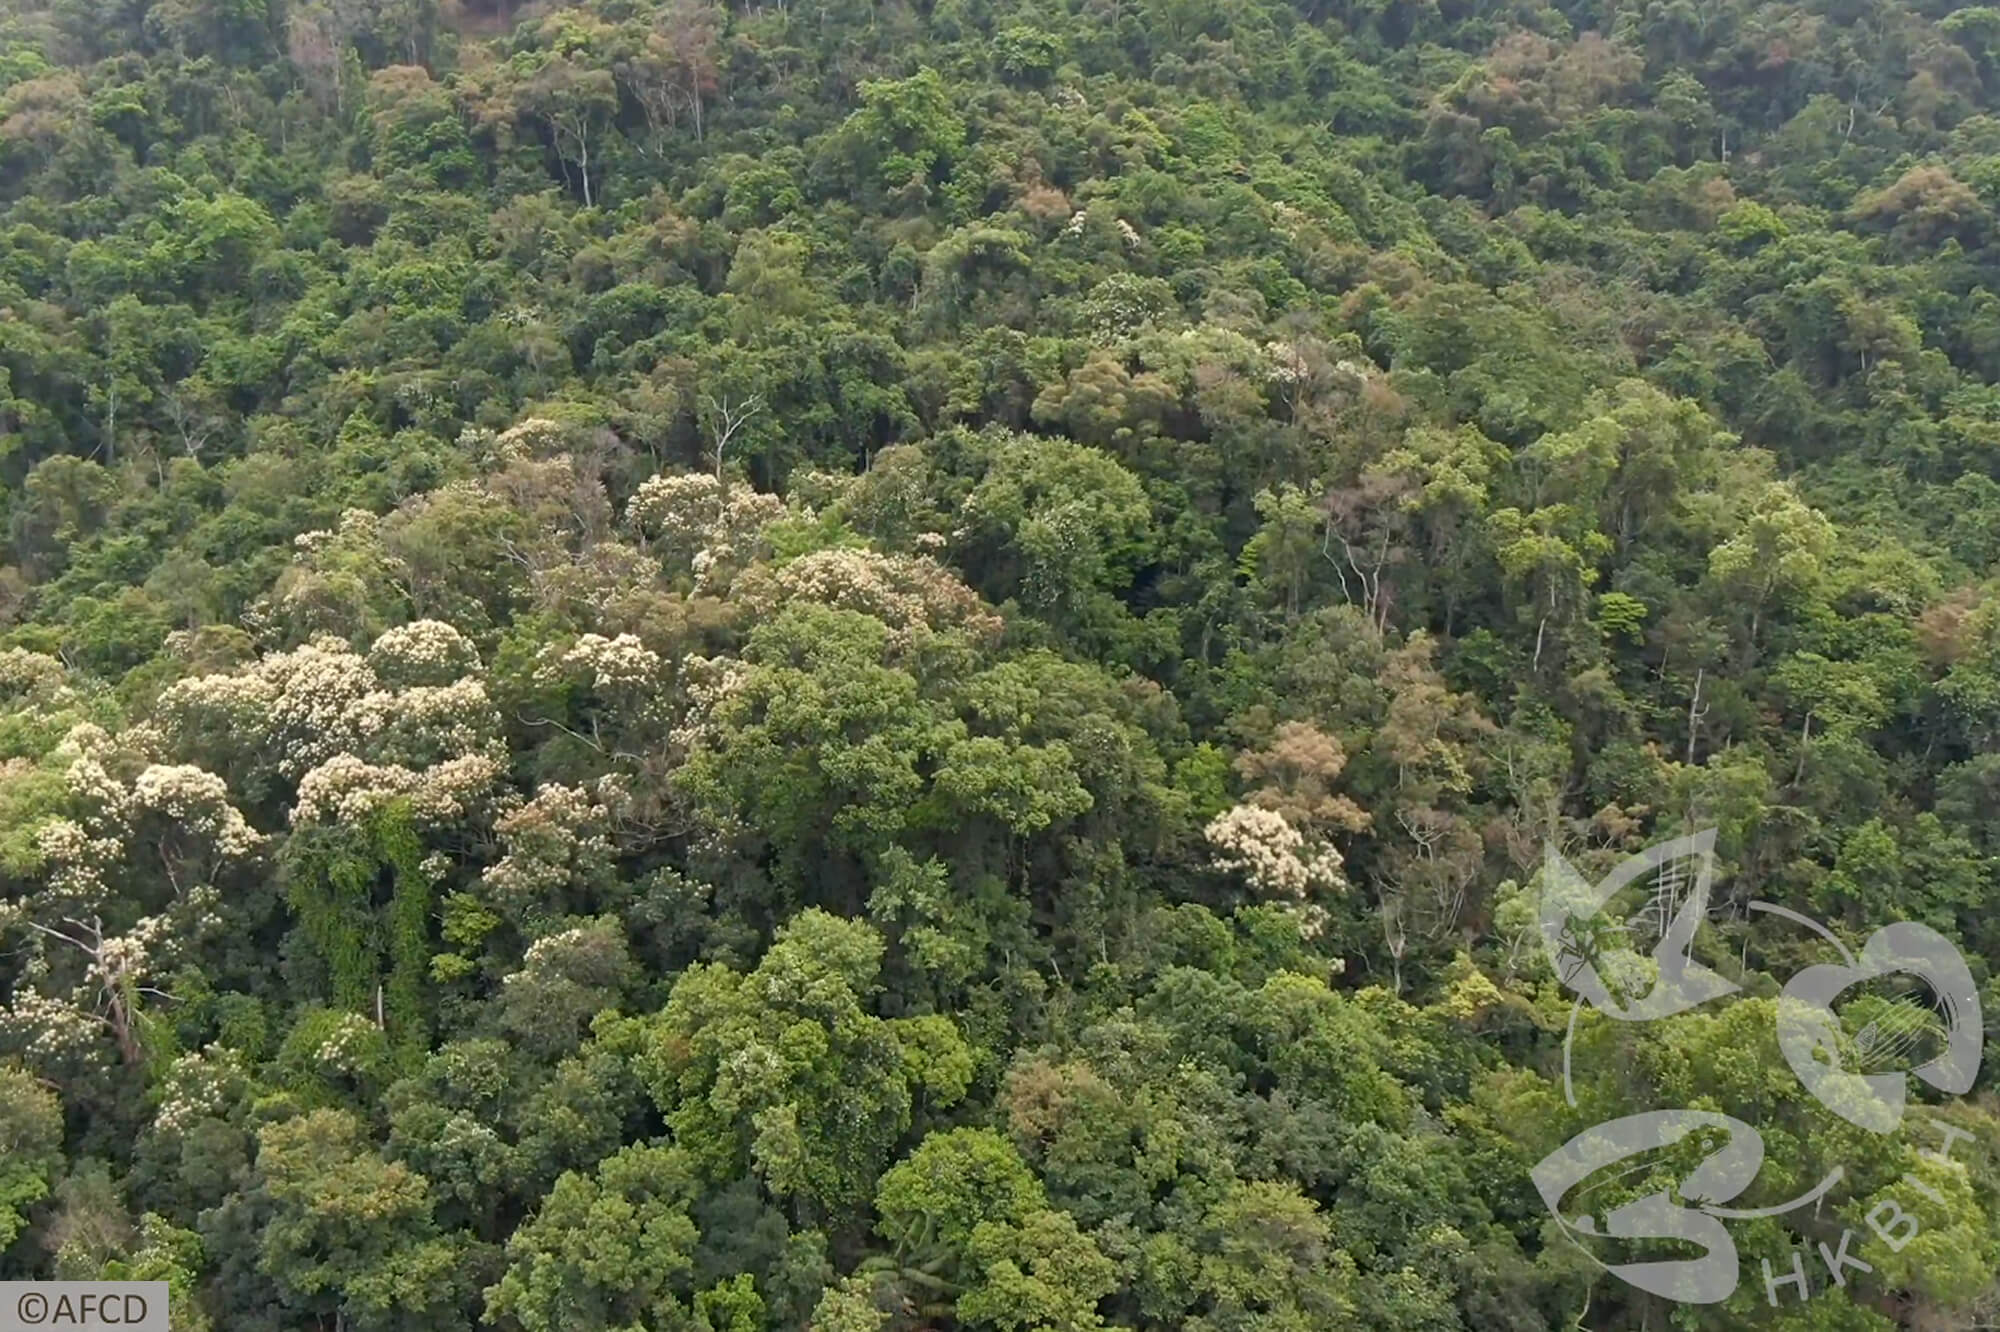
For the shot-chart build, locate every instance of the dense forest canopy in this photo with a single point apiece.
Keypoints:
(869, 666)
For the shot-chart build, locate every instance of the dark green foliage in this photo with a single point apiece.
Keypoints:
(884, 667)
(375, 952)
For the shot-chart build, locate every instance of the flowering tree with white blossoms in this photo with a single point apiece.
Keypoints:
(422, 652)
(558, 858)
(1278, 861)
(347, 731)
(700, 525)
(127, 888)
(912, 594)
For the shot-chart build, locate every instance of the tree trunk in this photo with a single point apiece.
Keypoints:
(121, 1031)
(1695, 713)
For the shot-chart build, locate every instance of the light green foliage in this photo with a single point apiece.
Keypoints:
(786, 1071)
(822, 734)
(849, 1307)
(31, 1126)
(348, 1230)
(165, 1252)
(686, 667)
(611, 1249)
(1058, 525)
(1267, 1256)
(907, 128)
(1039, 1273)
(949, 1185)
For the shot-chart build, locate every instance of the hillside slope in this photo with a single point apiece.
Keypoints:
(875, 668)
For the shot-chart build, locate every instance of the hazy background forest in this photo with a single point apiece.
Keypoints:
(874, 667)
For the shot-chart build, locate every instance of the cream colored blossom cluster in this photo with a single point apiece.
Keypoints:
(63, 919)
(64, 841)
(87, 740)
(198, 1085)
(1287, 363)
(80, 852)
(225, 710)
(77, 862)
(1290, 220)
(674, 514)
(47, 1027)
(333, 575)
(746, 512)
(350, 1045)
(121, 960)
(612, 663)
(735, 541)
(354, 736)
(706, 681)
(355, 525)
(679, 508)
(537, 438)
(585, 954)
(1262, 845)
(50, 1030)
(1354, 374)
(426, 724)
(694, 518)
(549, 949)
(907, 593)
(198, 801)
(614, 792)
(599, 584)
(1277, 859)
(313, 714)
(346, 788)
(820, 488)
(622, 671)
(559, 836)
(24, 672)
(96, 790)
(198, 910)
(124, 957)
(422, 652)
(143, 740)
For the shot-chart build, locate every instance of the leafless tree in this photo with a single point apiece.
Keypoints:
(725, 419)
(194, 418)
